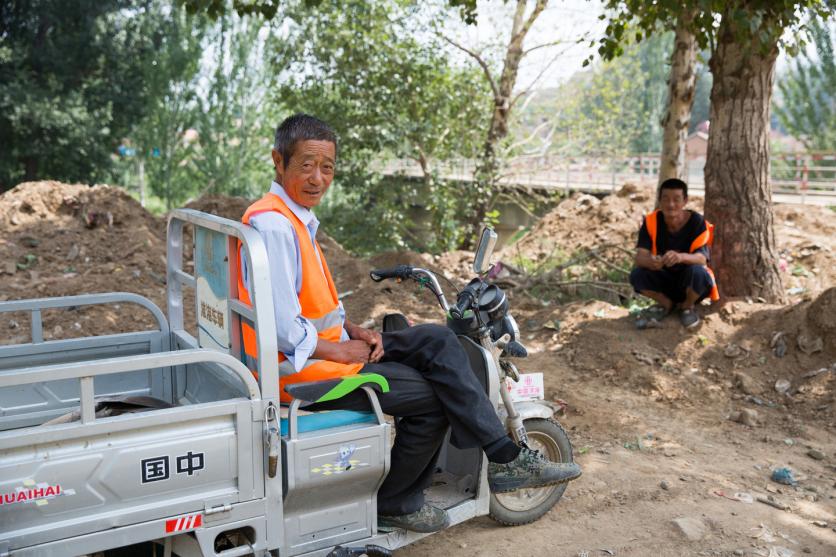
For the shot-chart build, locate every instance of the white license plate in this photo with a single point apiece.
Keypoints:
(529, 387)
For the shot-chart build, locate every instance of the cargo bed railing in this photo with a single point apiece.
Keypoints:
(35, 307)
(86, 371)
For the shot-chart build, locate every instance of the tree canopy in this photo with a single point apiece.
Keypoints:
(358, 65)
(756, 23)
(71, 85)
(807, 107)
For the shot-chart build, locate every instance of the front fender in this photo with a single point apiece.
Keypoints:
(529, 409)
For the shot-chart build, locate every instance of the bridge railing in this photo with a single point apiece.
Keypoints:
(801, 174)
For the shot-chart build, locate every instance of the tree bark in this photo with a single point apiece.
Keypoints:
(738, 192)
(503, 90)
(510, 68)
(681, 85)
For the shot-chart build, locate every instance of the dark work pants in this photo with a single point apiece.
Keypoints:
(431, 388)
(672, 282)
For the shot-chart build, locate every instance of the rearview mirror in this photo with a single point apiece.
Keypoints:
(482, 260)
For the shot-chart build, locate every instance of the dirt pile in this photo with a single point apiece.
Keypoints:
(583, 241)
(62, 239)
(805, 237)
(609, 227)
(72, 239)
(759, 354)
(583, 221)
(231, 208)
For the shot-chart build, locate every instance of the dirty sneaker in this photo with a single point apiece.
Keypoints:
(425, 520)
(689, 318)
(530, 469)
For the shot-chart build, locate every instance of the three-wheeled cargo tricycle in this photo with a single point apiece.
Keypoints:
(172, 442)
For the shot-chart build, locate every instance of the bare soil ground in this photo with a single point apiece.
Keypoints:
(655, 416)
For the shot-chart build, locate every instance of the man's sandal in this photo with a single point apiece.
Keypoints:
(689, 318)
(651, 318)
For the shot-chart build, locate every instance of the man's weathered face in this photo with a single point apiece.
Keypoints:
(672, 201)
(309, 172)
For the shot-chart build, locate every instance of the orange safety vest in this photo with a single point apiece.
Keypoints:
(706, 238)
(318, 298)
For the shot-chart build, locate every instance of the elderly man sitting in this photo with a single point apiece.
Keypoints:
(432, 385)
(672, 258)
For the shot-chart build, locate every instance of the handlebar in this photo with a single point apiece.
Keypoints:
(423, 276)
(400, 272)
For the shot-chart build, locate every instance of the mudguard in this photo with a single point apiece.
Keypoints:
(530, 409)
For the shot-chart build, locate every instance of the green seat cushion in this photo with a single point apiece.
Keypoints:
(333, 389)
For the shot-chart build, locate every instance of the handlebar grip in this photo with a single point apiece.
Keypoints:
(463, 303)
(401, 272)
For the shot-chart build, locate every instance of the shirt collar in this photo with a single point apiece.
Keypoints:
(302, 213)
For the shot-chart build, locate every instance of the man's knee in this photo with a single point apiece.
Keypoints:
(697, 278)
(440, 331)
(435, 332)
(696, 271)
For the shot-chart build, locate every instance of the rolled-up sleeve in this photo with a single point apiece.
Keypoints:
(296, 335)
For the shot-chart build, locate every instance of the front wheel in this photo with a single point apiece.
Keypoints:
(527, 505)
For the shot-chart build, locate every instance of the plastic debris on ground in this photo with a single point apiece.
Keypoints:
(784, 476)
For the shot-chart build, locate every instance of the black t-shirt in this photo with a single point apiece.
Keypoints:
(680, 242)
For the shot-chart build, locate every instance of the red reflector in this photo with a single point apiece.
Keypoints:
(184, 523)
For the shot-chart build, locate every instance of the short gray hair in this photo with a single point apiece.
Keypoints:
(301, 127)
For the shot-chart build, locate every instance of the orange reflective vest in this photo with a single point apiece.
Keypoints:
(318, 298)
(706, 238)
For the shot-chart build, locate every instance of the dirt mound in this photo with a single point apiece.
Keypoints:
(583, 238)
(62, 239)
(583, 223)
(822, 314)
(32, 203)
(805, 237)
(221, 205)
(761, 354)
(71, 239)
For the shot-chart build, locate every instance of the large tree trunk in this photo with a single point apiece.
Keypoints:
(681, 85)
(738, 193)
